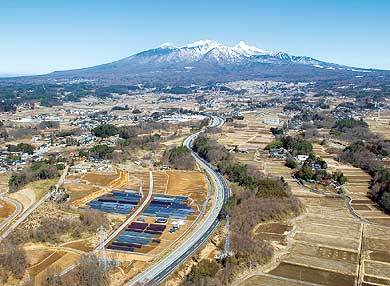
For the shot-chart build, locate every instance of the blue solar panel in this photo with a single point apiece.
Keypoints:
(161, 206)
(169, 206)
(116, 202)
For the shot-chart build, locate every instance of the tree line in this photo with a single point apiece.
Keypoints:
(37, 171)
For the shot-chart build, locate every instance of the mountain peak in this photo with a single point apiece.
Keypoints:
(250, 50)
(167, 46)
(210, 43)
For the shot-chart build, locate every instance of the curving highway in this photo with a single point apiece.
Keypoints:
(160, 270)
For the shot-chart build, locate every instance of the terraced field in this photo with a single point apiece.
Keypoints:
(323, 246)
(380, 124)
(254, 135)
(328, 244)
(375, 254)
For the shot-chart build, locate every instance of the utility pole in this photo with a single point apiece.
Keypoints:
(140, 192)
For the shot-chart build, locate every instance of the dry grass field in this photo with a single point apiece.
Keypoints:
(79, 191)
(3, 183)
(58, 261)
(253, 134)
(25, 196)
(6, 209)
(41, 187)
(137, 178)
(188, 183)
(102, 179)
(160, 182)
(379, 125)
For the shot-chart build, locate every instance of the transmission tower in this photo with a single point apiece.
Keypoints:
(228, 242)
(227, 247)
(102, 239)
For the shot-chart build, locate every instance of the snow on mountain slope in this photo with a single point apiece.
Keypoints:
(212, 52)
(207, 60)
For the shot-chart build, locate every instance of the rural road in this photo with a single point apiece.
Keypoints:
(34, 206)
(133, 216)
(159, 271)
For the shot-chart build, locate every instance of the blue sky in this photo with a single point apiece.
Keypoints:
(42, 36)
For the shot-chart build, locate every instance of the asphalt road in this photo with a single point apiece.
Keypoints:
(160, 270)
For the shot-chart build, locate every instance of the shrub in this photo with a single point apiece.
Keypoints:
(37, 171)
(276, 144)
(101, 151)
(291, 162)
(21, 147)
(105, 130)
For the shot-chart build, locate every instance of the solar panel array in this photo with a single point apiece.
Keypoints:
(169, 207)
(136, 236)
(116, 202)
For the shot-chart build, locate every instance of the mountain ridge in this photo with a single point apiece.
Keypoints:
(210, 61)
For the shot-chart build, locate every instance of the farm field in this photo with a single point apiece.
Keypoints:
(323, 246)
(375, 261)
(65, 250)
(357, 188)
(3, 183)
(250, 133)
(327, 244)
(102, 180)
(320, 247)
(379, 125)
(376, 255)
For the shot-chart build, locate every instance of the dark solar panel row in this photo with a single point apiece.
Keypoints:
(136, 235)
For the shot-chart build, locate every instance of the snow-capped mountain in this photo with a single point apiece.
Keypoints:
(212, 52)
(206, 61)
(208, 51)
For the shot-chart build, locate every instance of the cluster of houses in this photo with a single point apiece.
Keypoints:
(280, 153)
(38, 118)
(83, 167)
(11, 161)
